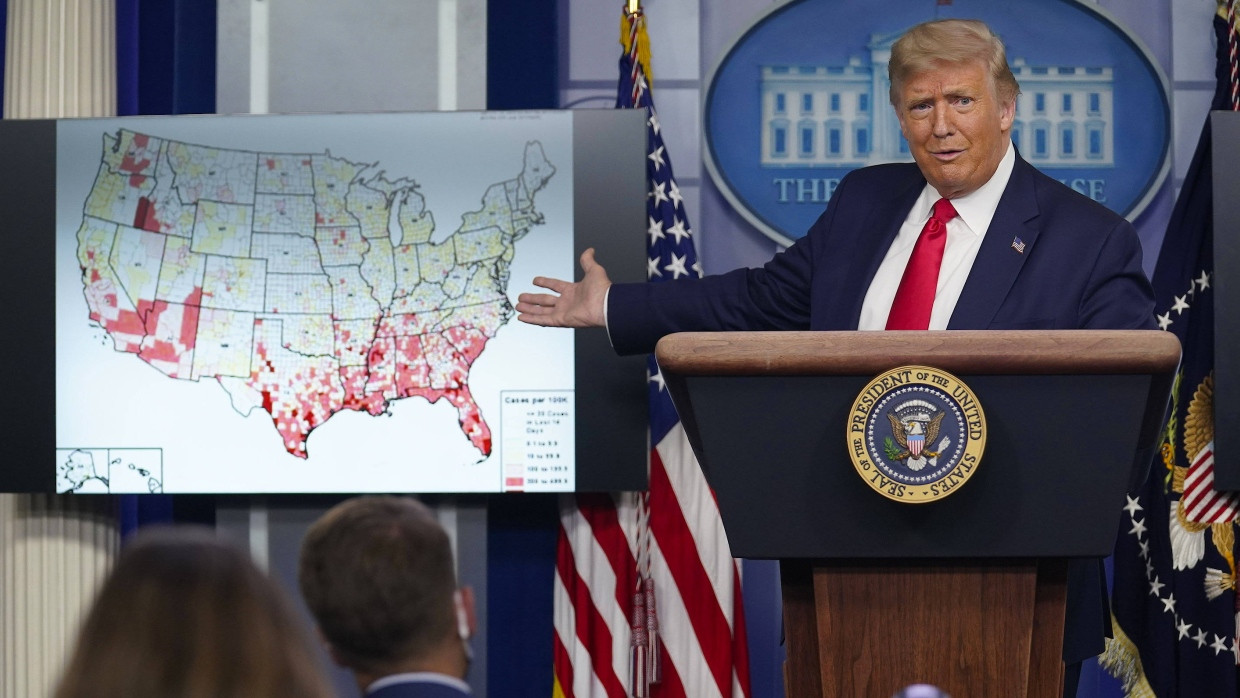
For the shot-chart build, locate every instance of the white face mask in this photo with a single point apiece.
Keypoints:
(462, 624)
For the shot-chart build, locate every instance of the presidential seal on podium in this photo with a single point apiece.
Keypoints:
(916, 434)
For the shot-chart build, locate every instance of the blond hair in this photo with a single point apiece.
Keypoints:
(950, 41)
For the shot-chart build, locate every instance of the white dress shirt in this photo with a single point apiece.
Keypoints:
(964, 239)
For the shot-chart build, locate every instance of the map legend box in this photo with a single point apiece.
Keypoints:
(539, 442)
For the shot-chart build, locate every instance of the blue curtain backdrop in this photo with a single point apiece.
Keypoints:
(522, 65)
(165, 64)
(165, 56)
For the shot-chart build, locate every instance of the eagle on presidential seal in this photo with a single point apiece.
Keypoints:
(914, 425)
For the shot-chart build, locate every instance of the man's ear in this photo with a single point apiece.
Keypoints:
(1007, 115)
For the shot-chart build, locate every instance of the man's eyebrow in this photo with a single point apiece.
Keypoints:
(961, 91)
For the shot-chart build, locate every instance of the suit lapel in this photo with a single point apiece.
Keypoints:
(875, 236)
(999, 261)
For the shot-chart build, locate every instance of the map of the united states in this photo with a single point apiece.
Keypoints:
(305, 284)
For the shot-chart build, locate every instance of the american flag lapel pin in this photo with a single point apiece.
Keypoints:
(1018, 245)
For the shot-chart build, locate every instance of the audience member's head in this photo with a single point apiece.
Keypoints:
(378, 576)
(185, 615)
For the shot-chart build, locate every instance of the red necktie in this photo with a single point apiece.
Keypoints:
(915, 297)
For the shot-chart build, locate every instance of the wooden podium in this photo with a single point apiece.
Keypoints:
(966, 592)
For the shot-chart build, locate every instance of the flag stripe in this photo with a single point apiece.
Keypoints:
(583, 682)
(697, 502)
(685, 655)
(667, 523)
(1201, 495)
(563, 670)
(611, 587)
(565, 623)
(1201, 466)
(1202, 503)
(670, 686)
(591, 563)
(600, 512)
(591, 628)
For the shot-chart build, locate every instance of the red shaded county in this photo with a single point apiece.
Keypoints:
(271, 163)
(157, 350)
(150, 320)
(144, 218)
(381, 368)
(458, 354)
(377, 352)
(469, 341)
(128, 164)
(139, 215)
(355, 395)
(195, 297)
(412, 371)
(128, 321)
(470, 419)
(299, 395)
(189, 326)
(126, 327)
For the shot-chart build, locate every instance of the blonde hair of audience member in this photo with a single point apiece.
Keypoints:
(928, 46)
(185, 615)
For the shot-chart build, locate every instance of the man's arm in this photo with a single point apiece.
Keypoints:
(770, 298)
(1118, 295)
(776, 296)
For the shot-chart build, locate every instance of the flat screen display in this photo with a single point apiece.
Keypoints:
(323, 303)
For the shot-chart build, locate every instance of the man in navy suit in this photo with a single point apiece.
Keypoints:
(1021, 250)
(378, 576)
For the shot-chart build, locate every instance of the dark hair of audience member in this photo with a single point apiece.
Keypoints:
(185, 615)
(378, 577)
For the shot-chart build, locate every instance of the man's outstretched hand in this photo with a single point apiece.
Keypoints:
(570, 304)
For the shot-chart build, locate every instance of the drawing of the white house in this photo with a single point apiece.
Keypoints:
(838, 116)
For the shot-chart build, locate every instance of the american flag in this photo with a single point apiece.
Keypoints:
(647, 594)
